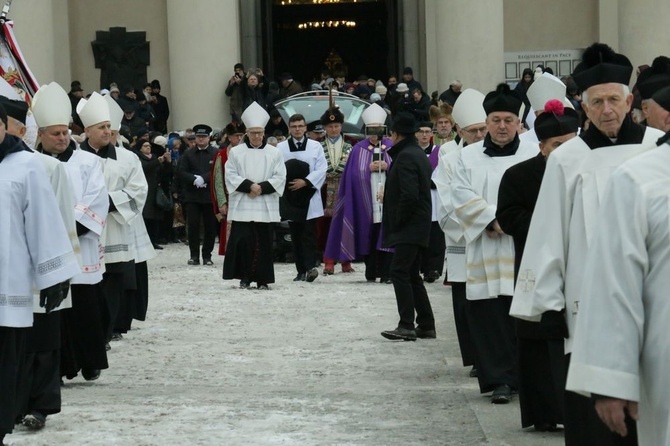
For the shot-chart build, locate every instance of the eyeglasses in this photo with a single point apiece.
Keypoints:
(481, 130)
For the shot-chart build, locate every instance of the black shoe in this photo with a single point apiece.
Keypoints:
(34, 421)
(371, 280)
(502, 395)
(90, 375)
(107, 347)
(158, 247)
(473, 372)
(431, 276)
(244, 284)
(311, 275)
(400, 334)
(193, 261)
(263, 286)
(207, 262)
(300, 277)
(116, 337)
(425, 334)
(545, 426)
(386, 280)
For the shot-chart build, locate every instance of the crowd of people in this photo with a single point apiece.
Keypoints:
(548, 202)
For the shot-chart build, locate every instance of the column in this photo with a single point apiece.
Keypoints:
(642, 30)
(469, 42)
(204, 39)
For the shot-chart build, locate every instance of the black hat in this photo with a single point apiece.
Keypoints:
(602, 65)
(16, 109)
(662, 98)
(285, 76)
(424, 124)
(404, 124)
(235, 128)
(555, 120)
(315, 126)
(503, 99)
(407, 70)
(75, 86)
(332, 115)
(202, 130)
(294, 204)
(155, 84)
(654, 78)
(128, 107)
(141, 131)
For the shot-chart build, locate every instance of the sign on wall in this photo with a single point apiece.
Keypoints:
(561, 62)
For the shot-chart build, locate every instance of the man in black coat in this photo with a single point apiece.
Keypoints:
(194, 171)
(406, 221)
(539, 345)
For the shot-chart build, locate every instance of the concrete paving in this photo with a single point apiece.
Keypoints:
(301, 364)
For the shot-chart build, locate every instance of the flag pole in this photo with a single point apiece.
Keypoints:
(5, 11)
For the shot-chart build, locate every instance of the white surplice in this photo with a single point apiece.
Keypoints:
(552, 267)
(141, 247)
(312, 155)
(90, 210)
(453, 234)
(621, 346)
(490, 261)
(257, 166)
(35, 249)
(127, 188)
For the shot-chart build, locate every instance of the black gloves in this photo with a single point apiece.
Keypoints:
(52, 296)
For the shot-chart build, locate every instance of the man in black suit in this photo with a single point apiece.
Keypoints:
(406, 221)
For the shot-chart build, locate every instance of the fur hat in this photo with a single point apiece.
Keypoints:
(602, 65)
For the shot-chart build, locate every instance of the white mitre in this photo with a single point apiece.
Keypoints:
(469, 108)
(255, 116)
(93, 110)
(374, 114)
(51, 106)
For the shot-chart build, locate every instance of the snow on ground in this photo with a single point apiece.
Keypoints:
(300, 364)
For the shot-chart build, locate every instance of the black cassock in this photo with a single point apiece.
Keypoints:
(540, 346)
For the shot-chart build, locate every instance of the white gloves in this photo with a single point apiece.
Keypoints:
(199, 182)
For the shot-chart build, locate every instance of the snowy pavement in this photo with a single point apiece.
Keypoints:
(300, 364)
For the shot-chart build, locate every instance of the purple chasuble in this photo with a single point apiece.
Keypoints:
(349, 235)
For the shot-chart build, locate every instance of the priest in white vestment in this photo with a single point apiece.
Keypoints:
(621, 351)
(35, 251)
(255, 177)
(470, 117)
(489, 251)
(564, 222)
(127, 190)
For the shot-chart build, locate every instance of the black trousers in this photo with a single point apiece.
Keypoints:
(39, 388)
(433, 257)
(82, 334)
(377, 263)
(410, 293)
(153, 226)
(541, 380)
(112, 287)
(303, 237)
(12, 353)
(197, 212)
(583, 426)
(459, 303)
(492, 330)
